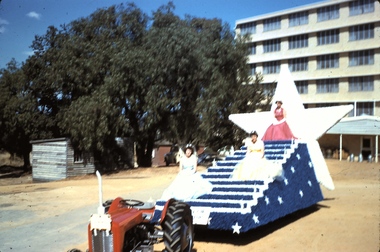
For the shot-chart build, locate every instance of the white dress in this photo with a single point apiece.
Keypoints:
(255, 166)
(188, 184)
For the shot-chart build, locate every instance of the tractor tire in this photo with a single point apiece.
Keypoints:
(178, 228)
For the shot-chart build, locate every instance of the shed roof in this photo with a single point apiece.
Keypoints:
(359, 125)
(49, 140)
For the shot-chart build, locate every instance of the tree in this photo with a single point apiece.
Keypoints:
(118, 73)
(21, 118)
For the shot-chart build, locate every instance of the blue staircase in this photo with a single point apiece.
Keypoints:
(239, 205)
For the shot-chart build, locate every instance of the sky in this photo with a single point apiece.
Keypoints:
(21, 20)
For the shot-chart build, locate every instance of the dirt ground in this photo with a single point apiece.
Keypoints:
(347, 220)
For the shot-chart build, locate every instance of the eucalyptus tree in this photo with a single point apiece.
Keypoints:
(111, 41)
(175, 62)
(21, 118)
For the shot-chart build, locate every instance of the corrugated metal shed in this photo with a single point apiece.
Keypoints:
(360, 125)
(53, 159)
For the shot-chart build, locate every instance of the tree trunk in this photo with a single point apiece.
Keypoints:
(27, 167)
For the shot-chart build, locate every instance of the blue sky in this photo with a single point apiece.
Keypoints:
(21, 20)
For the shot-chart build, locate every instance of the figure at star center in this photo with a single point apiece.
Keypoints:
(278, 130)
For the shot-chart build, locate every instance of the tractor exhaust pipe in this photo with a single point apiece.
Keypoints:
(101, 209)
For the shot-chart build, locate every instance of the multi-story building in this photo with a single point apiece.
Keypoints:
(332, 49)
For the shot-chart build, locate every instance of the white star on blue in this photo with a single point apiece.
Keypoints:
(236, 228)
(256, 219)
(280, 200)
(286, 181)
(267, 200)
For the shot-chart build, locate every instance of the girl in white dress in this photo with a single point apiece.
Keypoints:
(188, 184)
(255, 166)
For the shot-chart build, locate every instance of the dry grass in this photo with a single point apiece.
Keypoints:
(10, 166)
(6, 159)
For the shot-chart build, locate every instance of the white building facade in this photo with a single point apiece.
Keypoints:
(332, 49)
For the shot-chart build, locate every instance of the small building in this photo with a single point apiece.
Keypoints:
(353, 135)
(159, 151)
(55, 159)
(163, 147)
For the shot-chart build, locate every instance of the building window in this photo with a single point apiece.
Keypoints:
(328, 13)
(328, 61)
(252, 69)
(272, 45)
(269, 88)
(78, 156)
(328, 37)
(252, 49)
(299, 18)
(361, 7)
(299, 64)
(248, 28)
(328, 86)
(302, 87)
(360, 58)
(359, 32)
(364, 108)
(271, 67)
(272, 24)
(363, 83)
(299, 41)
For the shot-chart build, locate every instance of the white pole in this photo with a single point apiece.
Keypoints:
(101, 209)
(377, 149)
(340, 147)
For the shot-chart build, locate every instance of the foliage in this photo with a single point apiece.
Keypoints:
(121, 73)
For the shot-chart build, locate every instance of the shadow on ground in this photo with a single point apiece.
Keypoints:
(7, 171)
(206, 235)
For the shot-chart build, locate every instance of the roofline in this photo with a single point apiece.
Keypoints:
(49, 140)
(289, 11)
(359, 118)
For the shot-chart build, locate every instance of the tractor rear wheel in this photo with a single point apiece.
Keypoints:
(178, 228)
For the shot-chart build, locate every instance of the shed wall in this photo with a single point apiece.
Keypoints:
(80, 168)
(49, 161)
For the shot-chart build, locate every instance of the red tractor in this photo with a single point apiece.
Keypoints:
(122, 225)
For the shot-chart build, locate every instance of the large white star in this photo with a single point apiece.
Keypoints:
(306, 124)
(236, 228)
